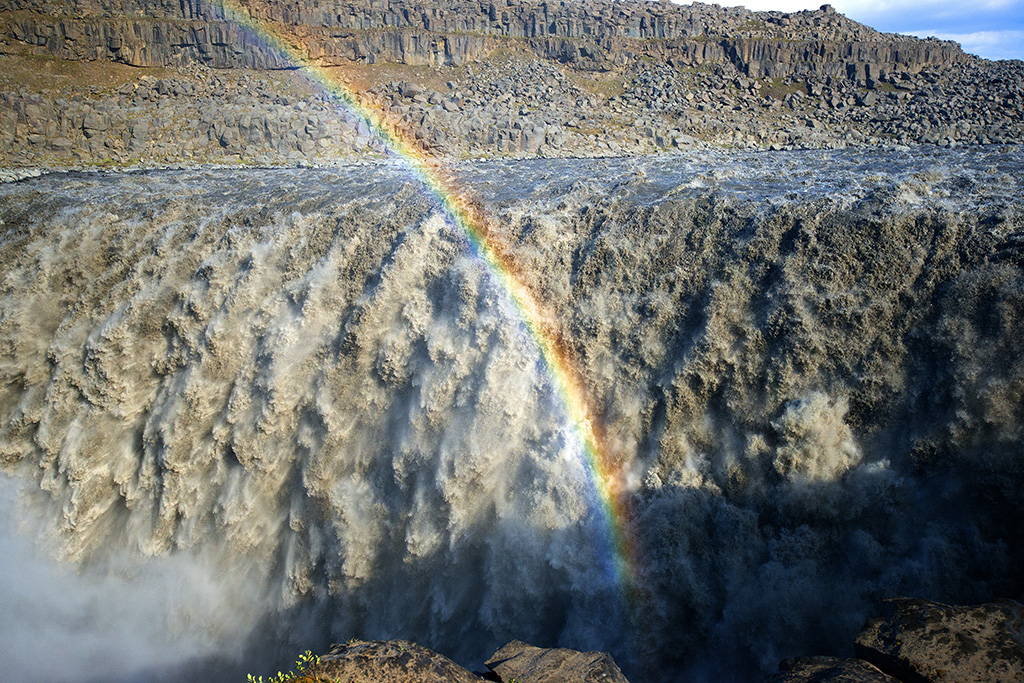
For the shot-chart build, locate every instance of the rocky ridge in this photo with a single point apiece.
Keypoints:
(469, 79)
(402, 661)
(917, 641)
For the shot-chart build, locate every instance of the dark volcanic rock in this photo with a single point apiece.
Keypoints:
(828, 670)
(391, 661)
(922, 641)
(527, 664)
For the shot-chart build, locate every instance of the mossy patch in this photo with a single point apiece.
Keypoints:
(779, 88)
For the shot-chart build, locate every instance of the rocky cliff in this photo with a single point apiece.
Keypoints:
(594, 34)
(150, 81)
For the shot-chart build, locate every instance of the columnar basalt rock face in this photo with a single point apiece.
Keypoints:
(149, 33)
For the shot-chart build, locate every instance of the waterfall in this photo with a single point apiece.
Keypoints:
(249, 412)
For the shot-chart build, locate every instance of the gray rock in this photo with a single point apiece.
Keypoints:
(229, 138)
(528, 664)
(391, 661)
(94, 123)
(140, 131)
(922, 641)
(410, 90)
(868, 99)
(533, 140)
(828, 670)
(684, 141)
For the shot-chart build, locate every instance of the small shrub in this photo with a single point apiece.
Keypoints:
(305, 660)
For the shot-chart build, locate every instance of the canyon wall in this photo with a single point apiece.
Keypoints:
(597, 34)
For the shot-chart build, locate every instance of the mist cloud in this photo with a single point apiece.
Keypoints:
(131, 620)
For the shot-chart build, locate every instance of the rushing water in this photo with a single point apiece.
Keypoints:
(248, 412)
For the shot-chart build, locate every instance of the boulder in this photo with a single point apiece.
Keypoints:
(828, 670)
(528, 664)
(94, 123)
(920, 641)
(140, 130)
(390, 661)
(868, 99)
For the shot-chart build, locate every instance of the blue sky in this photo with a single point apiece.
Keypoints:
(990, 28)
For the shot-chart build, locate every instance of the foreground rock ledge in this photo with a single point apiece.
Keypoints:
(390, 661)
(402, 661)
(919, 641)
(527, 664)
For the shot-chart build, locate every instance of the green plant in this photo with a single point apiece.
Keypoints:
(305, 660)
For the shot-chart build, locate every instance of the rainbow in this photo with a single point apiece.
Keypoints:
(605, 472)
